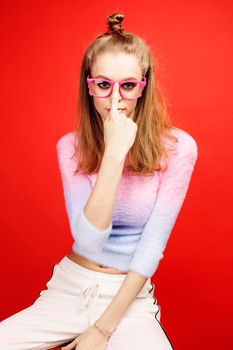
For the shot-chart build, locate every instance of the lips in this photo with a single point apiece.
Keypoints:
(119, 109)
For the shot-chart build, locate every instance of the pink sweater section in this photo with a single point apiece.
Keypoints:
(145, 211)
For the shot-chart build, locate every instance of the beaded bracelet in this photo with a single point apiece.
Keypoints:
(103, 330)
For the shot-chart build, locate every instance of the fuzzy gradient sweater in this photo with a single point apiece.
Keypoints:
(145, 211)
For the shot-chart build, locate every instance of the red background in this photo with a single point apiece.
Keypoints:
(42, 46)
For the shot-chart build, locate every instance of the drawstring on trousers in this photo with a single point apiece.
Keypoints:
(90, 292)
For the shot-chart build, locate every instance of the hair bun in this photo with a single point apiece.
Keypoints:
(114, 23)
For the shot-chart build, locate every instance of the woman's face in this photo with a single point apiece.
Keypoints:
(116, 67)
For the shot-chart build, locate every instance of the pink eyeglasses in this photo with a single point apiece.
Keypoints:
(130, 89)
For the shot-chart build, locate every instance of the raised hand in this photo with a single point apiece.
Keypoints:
(119, 130)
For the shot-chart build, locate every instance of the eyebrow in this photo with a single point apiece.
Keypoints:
(129, 78)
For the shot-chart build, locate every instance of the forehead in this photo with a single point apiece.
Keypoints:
(116, 66)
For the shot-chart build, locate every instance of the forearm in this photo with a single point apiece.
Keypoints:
(130, 288)
(99, 207)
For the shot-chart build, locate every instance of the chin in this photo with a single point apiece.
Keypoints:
(103, 117)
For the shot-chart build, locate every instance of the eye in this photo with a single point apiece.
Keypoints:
(103, 84)
(129, 85)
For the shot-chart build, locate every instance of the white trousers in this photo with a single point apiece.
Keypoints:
(74, 299)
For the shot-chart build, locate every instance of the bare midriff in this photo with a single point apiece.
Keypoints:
(80, 260)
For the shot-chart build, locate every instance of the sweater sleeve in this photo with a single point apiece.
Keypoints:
(77, 189)
(172, 190)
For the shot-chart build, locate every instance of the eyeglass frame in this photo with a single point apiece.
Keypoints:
(112, 82)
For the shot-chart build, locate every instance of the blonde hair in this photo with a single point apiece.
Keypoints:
(150, 114)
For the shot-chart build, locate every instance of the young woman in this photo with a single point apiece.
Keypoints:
(125, 172)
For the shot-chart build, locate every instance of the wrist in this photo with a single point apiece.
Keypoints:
(111, 156)
(105, 330)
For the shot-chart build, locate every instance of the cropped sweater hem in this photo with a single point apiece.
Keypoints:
(103, 256)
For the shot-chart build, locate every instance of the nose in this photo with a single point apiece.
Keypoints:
(118, 92)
